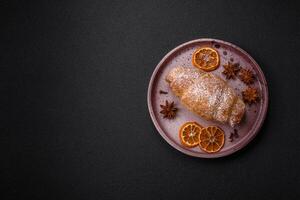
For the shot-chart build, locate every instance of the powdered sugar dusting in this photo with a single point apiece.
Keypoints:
(203, 93)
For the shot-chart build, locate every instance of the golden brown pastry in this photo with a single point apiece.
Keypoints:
(206, 94)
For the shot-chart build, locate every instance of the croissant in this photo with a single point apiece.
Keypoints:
(206, 95)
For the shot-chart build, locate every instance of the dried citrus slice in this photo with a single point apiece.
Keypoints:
(211, 139)
(206, 59)
(189, 134)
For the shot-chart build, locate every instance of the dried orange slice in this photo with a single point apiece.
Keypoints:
(211, 139)
(206, 58)
(189, 134)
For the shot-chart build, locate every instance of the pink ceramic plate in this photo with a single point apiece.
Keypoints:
(181, 55)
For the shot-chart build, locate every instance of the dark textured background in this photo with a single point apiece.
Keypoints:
(78, 125)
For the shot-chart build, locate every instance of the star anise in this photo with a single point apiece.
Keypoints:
(247, 76)
(168, 110)
(231, 70)
(250, 95)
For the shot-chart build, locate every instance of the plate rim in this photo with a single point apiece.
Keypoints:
(246, 140)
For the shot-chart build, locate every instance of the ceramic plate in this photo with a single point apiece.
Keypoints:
(181, 56)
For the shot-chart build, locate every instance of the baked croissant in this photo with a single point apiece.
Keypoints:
(206, 95)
